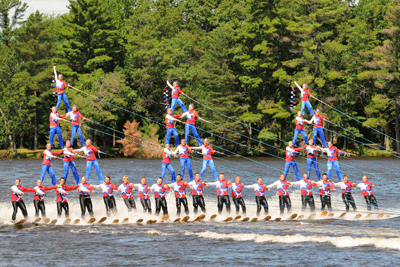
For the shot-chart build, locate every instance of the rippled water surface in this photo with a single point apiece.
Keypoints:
(321, 241)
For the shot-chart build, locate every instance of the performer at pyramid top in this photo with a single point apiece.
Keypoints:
(304, 99)
(299, 128)
(61, 85)
(176, 90)
(319, 126)
(75, 127)
(54, 119)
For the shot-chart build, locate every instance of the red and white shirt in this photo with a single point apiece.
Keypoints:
(304, 94)
(197, 187)
(17, 192)
(206, 150)
(75, 115)
(159, 190)
(179, 189)
(55, 118)
(176, 90)
(183, 151)
(325, 187)
(259, 189)
(237, 190)
(345, 187)
(222, 187)
(299, 122)
(106, 189)
(62, 193)
(167, 155)
(170, 121)
(48, 155)
(290, 153)
(39, 191)
(305, 187)
(366, 188)
(311, 151)
(317, 120)
(191, 116)
(282, 186)
(126, 190)
(60, 84)
(143, 190)
(332, 153)
(84, 190)
(89, 152)
(68, 154)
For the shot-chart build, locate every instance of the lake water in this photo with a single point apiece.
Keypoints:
(368, 241)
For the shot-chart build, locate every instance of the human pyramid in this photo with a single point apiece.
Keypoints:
(177, 184)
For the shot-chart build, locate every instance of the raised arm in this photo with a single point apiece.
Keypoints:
(55, 73)
(169, 85)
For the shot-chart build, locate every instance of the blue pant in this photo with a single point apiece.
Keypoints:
(63, 97)
(71, 165)
(320, 132)
(296, 170)
(89, 165)
(205, 162)
(296, 133)
(77, 130)
(173, 131)
(53, 131)
(334, 164)
(314, 162)
(195, 134)
(48, 169)
(308, 104)
(164, 167)
(179, 101)
(189, 165)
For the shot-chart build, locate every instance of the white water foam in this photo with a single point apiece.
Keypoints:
(341, 242)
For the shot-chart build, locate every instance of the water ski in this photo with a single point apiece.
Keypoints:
(331, 214)
(91, 220)
(237, 217)
(357, 216)
(293, 216)
(267, 218)
(369, 215)
(67, 221)
(185, 219)
(278, 218)
(380, 215)
(76, 221)
(254, 219)
(46, 220)
(22, 221)
(323, 213)
(35, 221)
(387, 216)
(139, 220)
(165, 217)
(177, 219)
(246, 219)
(300, 216)
(199, 218)
(342, 215)
(53, 222)
(228, 219)
(125, 220)
(213, 216)
(102, 219)
(149, 221)
(312, 215)
(115, 221)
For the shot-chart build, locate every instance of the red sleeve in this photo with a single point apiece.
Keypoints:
(44, 188)
(114, 187)
(70, 188)
(167, 187)
(313, 184)
(331, 185)
(27, 190)
(176, 116)
(308, 92)
(196, 114)
(95, 149)
(190, 150)
(80, 115)
(62, 116)
(298, 149)
(179, 89)
(303, 147)
(57, 153)
(212, 150)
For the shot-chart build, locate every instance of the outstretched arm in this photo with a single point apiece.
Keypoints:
(55, 73)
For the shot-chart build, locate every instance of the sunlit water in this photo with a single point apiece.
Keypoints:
(319, 242)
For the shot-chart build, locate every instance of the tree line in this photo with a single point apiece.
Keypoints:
(239, 57)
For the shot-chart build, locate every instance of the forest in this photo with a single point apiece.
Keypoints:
(238, 58)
